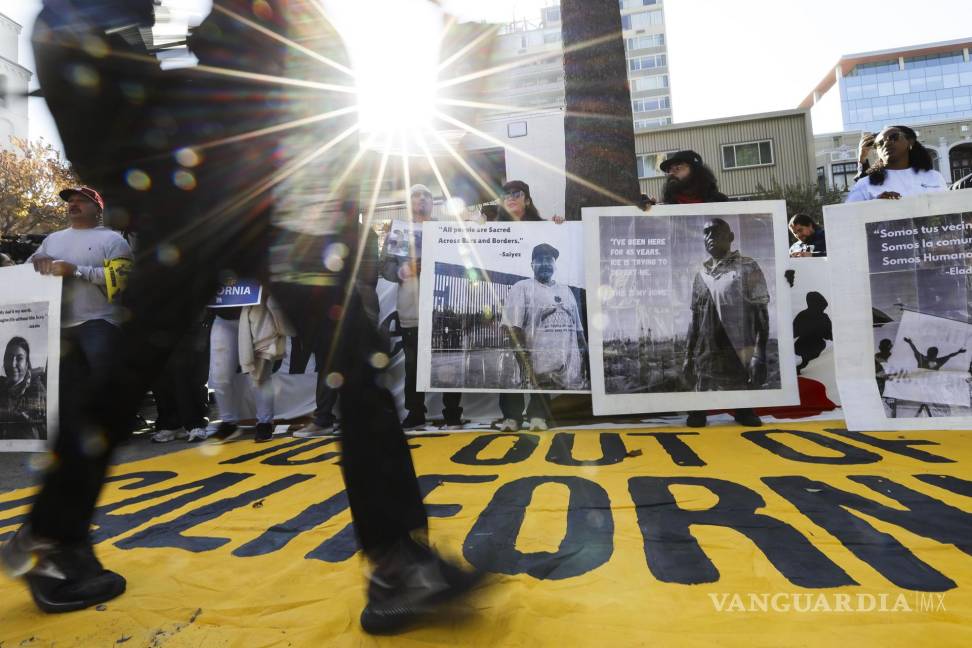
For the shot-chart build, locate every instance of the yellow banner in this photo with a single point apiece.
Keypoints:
(804, 535)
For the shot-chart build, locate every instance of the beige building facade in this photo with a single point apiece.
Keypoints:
(743, 152)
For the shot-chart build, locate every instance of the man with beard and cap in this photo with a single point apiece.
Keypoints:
(261, 206)
(688, 180)
(726, 340)
(545, 329)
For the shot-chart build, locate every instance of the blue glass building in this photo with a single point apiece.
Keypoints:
(910, 85)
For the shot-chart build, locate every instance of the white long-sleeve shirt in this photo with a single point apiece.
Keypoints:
(906, 182)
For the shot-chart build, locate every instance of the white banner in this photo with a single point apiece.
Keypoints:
(30, 335)
(691, 310)
(904, 273)
(813, 339)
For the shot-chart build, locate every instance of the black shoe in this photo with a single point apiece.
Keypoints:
(226, 432)
(696, 419)
(61, 577)
(264, 432)
(747, 417)
(407, 584)
(413, 420)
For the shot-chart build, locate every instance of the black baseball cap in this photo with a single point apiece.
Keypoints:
(545, 248)
(690, 158)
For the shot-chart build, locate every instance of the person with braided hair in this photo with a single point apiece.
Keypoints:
(904, 168)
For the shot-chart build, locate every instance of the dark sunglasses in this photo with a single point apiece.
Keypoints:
(515, 194)
(893, 136)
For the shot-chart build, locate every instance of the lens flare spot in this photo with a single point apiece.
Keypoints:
(168, 255)
(605, 292)
(379, 360)
(184, 179)
(94, 46)
(262, 10)
(188, 157)
(138, 180)
(84, 76)
(599, 321)
(334, 380)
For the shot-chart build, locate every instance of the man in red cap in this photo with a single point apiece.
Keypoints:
(89, 322)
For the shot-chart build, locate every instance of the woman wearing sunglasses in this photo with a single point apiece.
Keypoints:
(904, 168)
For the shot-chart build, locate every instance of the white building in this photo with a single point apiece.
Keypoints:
(538, 81)
(13, 85)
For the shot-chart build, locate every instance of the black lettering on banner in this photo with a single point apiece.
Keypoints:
(828, 507)
(111, 525)
(588, 543)
(344, 544)
(522, 449)
(143, 479)
(674, 555)
(898, 446)
(678, 450)
(852, 455)
(278, 535)
(286, 458)
(169, 534)
(561, 450)
(269, 450)
(949, 483)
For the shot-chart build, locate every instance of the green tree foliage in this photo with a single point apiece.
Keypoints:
(30, 177)
(800, 198)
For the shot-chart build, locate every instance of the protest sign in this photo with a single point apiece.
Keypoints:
(903, 324)
(502, 308)
(30, 335)
(691, 310)
(237, 292)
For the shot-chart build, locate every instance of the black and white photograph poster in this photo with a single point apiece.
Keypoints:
(30, 326)
(502, 308)
(903, 325)
(691, 310)
(808, 279)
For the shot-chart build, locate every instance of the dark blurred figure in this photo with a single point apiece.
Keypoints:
(132, 129)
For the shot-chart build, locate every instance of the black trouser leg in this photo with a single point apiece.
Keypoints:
(452, 406)
(414, 400)
(539, 406)
(511, 405)
(379, 475)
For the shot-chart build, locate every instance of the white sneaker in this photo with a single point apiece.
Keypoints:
(198, 434)
(164, 436)
(453, 426)
(508, 425)
(312, 430)
(538, 424)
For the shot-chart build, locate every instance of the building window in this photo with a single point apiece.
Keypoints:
(747, 154)
(843, 174)
(3, 92)
(551, 15)
(641, 20)
(643, 84)
(645, 42)
(649, 104)
(642, 124)
(632, 4)
(648, 164)
(821, 179)
(647, 62)
(516, 129)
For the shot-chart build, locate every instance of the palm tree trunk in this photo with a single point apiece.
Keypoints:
(598, 126)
